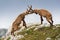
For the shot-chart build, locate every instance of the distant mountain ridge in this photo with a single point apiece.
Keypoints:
(2, 32)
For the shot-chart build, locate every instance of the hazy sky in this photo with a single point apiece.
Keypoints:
(10, 9)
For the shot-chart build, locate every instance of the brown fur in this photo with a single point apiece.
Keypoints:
(42, 13)
(17, 22)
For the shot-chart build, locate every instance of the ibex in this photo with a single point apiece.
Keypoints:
(17, 22)
(42, 13)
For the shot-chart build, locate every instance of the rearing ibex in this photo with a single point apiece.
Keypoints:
(17, 22)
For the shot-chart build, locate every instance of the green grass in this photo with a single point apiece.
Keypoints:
(0, 38)
(41, 34)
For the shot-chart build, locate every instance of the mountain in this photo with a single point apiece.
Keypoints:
(3, 32)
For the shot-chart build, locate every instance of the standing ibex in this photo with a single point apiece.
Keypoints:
(42, 13)
(17, 22)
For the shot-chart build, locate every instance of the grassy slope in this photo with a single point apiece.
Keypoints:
(40, 34)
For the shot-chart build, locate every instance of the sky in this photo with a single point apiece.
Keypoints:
(10, 9)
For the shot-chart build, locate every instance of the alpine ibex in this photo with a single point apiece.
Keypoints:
(17, 22)
(42, 13)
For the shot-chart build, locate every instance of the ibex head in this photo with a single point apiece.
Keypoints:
(30, 7)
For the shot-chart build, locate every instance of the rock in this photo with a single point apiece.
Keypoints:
(48, 38)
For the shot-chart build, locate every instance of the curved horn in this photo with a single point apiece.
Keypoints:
(30, 6)
(27, 9)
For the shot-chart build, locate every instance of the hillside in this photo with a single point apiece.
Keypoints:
(43, 33)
